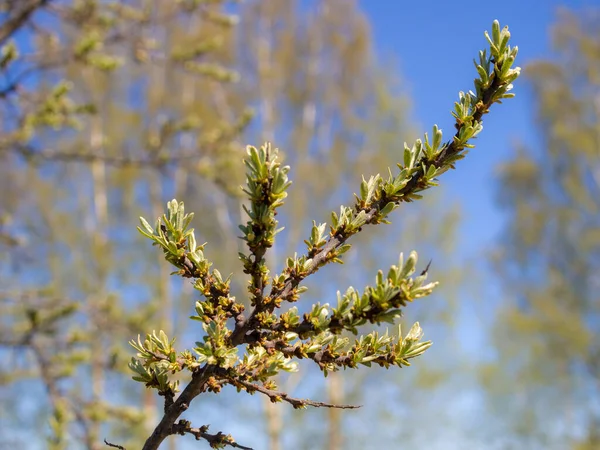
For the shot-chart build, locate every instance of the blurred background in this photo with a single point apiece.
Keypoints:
(110, 109)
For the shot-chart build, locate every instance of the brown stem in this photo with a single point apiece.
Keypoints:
(120, 447)
(215, 440)
(172, 413)
(276, 396)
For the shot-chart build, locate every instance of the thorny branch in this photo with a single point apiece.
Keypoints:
(275, 341)
(215, 440)
(275, 397)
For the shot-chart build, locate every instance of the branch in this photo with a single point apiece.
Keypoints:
(275, 396)
(417, 182)
(172, 413)
(14, 23)
(117, 161)
(51, 383)
(120, 447)
(266, 185)
(215, 440)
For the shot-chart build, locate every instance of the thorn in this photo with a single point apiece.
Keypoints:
(120, 447)
(426, 269)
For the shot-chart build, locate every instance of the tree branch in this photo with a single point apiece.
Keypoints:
(276, 396)
(120, 447)
(18, 19)
(117, 161)
(172, 413)
(215, 440)
(269, 348)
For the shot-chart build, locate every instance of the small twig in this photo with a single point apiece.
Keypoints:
(120, 447)
(321, 358)
(117, 161)
(215, 440)
(276, 396)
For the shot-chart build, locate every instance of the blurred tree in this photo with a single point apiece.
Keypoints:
(92, 129)
(108, 109)
(546, 383)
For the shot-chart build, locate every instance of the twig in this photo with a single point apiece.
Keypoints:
(114, 161)
(120, 447)
(118, 161)
(322, 358)
(276, 396)
(215, 440)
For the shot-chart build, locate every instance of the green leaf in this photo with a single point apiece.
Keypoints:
(388, 208)
(146, 226)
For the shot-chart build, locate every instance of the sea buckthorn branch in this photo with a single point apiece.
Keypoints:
(273, 342)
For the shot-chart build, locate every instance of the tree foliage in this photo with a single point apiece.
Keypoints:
(88, 123)
(548, 326)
